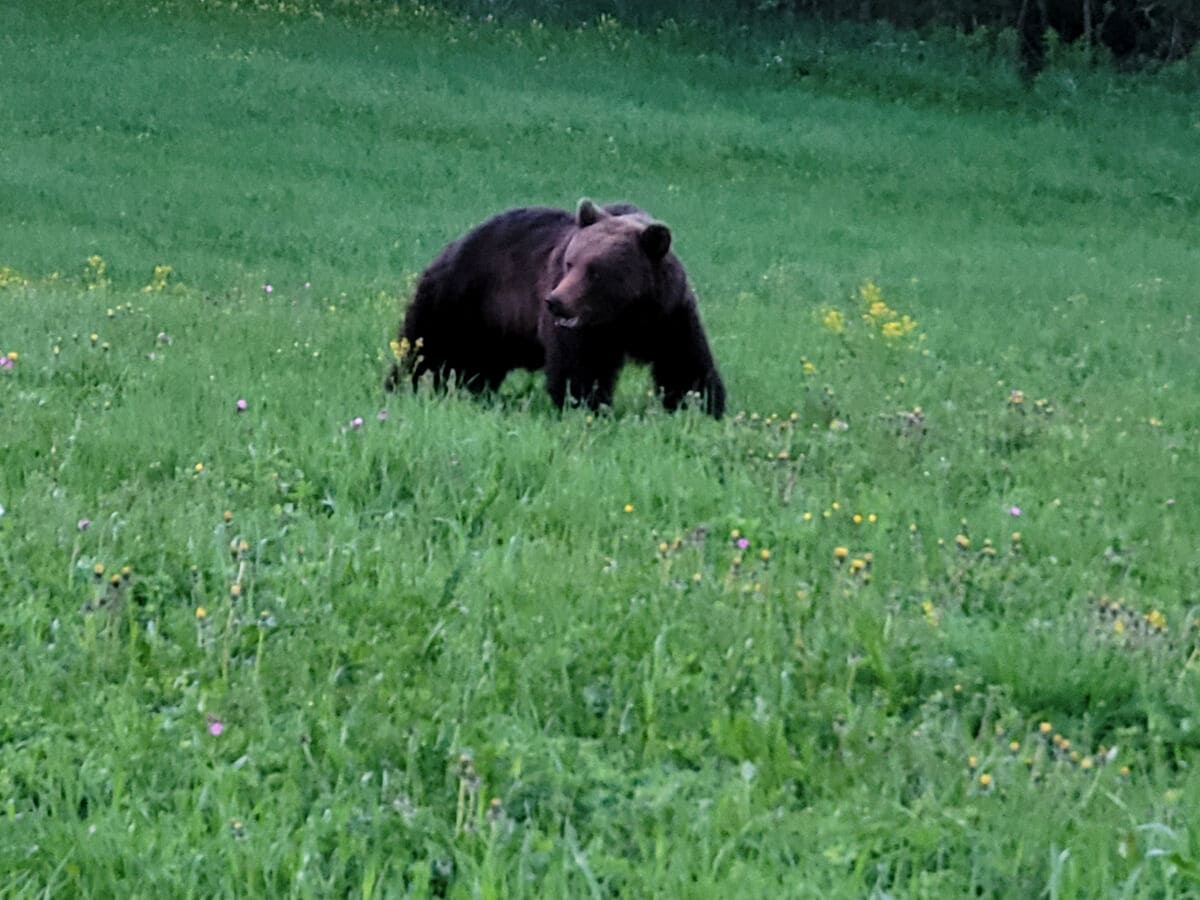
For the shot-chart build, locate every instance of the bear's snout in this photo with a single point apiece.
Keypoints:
(557, 308)
(561, 312)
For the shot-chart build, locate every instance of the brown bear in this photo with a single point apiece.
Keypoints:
(578, 295)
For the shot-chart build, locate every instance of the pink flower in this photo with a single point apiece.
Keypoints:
(241, 405)
(1014, 511)
(742, 543)
(215, 726)
(5, 362)
(356, 422)
(83, 524)
(267, 289)
(382, 415)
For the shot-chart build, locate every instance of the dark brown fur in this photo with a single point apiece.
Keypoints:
(577, 295)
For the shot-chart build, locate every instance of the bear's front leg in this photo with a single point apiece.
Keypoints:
(681, 362)
(584, 370)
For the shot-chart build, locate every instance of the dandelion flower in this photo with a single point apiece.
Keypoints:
(840, 553)
(1045, 728)
(201, 613)
(198, 468)
(985, 780)
(628, 507)
(764, 554)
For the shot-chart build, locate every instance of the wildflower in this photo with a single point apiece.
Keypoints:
(840, 553)
(1086, 763)
(872, 518)
(1014, 511)
(201, 613)
(198, 468)
(972, 762)
(628, 507)
(735, 534)
(833, 320)
(856, 518)
(268, 289)
(235, 590)
(857, 565)
(985, 781)
(83, 524)
(1155, 422)
(98, 570)
(382, 415)
(1014, 746)
(808, 369)
(215, 726)
(1045, 728)
(742, 543)
(963, 542)
(241, 406)
(807, 517)
(356, 422)
(764, 554)
(227, 516)
(839, 425)
(5, 362)
(1016, 397)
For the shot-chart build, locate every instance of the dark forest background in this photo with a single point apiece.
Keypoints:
(1133, 33)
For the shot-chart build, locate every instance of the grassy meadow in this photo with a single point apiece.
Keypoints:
(919, 618)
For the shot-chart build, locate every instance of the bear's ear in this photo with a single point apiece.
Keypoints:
(655, 240)
(588, 213)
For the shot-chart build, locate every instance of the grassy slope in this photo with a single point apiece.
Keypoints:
(464, 578)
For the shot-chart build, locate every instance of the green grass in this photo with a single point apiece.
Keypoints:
(476, 600)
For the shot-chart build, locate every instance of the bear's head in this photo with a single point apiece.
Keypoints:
(609, 265)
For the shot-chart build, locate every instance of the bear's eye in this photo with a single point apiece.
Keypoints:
(591, 273)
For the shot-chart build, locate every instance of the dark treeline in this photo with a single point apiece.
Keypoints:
(1134, 32)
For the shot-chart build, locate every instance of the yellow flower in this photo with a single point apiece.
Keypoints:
(201, 612)
(235, 590)
(870, 293)
(833, 320)
(807, 517)
(985, 780)
(13, 355)
(628, 507)
(765, 554)
(856, 519)
(1045, 728)
(808, 369)
(198, 468)
(964, 542)
(840, 553)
